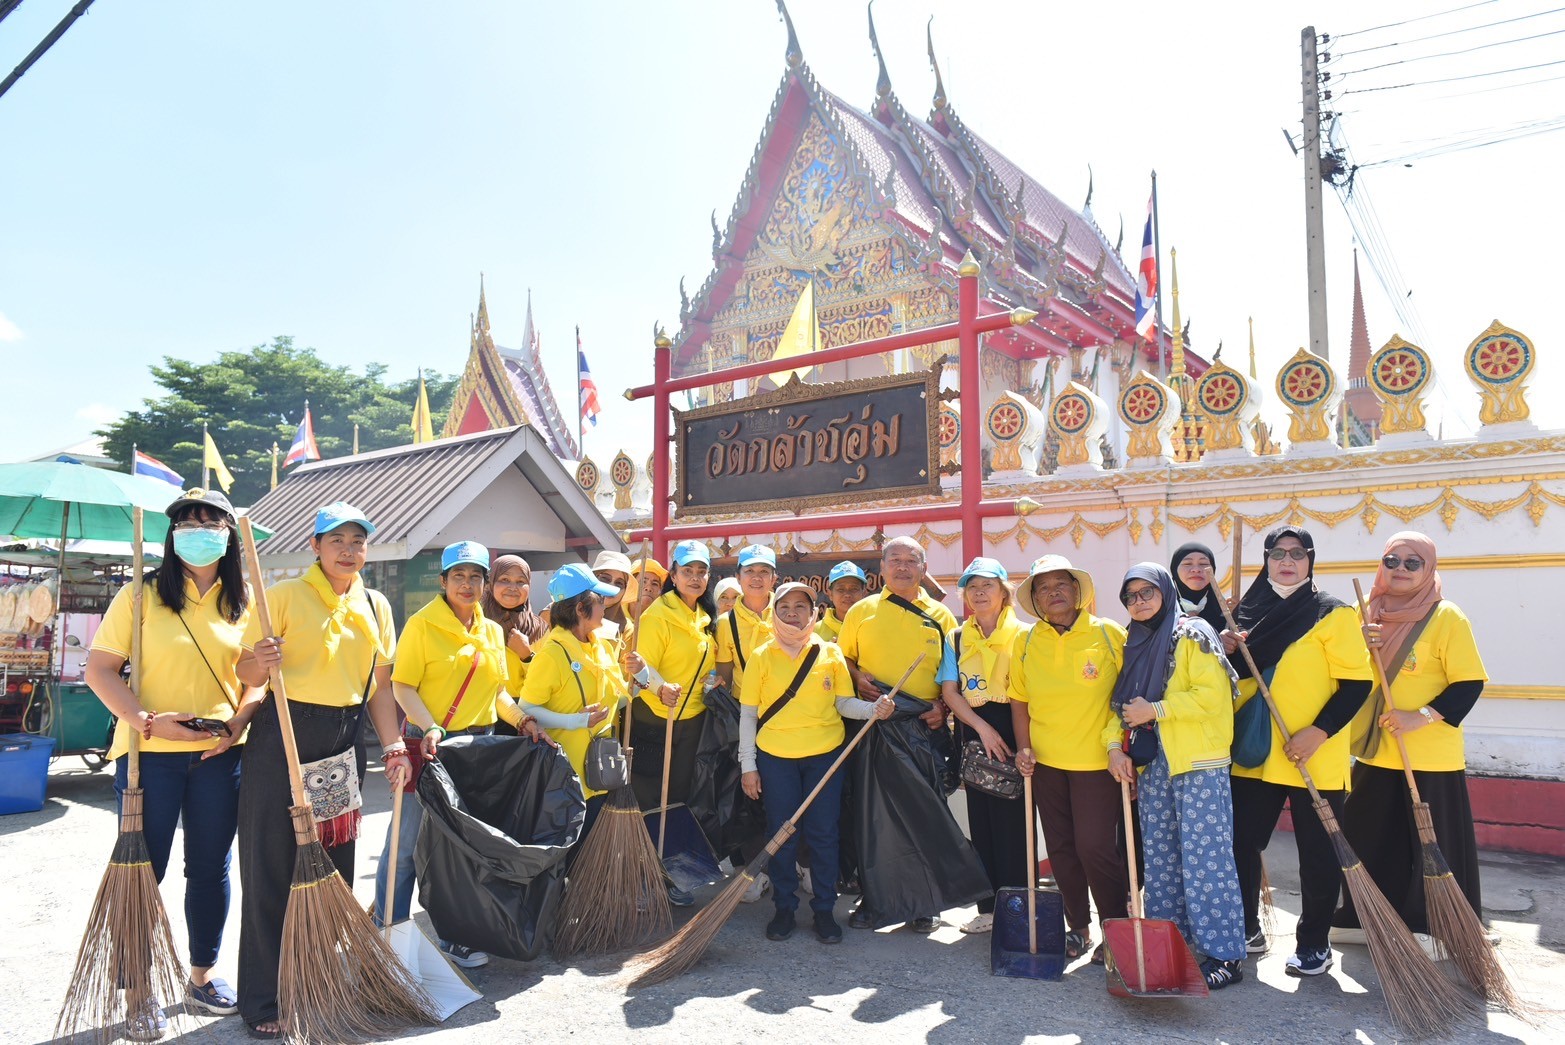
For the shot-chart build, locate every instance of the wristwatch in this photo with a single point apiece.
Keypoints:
(1429, 716)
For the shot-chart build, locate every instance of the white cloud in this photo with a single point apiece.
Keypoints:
(9, 331)
(97, 413)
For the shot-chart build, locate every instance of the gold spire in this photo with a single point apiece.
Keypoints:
(1253, 375)
(968, 266)
(1177, 352)
(482, 323)
(940, 88)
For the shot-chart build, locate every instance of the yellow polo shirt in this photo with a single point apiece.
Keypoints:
(754, 629)
(1444, 653)
(675, 643)
(434, 655)
(830, 626)
(1304, 680)
(550, 685)
(809, 724)
(173, 676)
(882, 638)
(1066, 682)
(984, 661)
(312, 675)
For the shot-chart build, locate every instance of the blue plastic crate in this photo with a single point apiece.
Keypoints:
(24, 771)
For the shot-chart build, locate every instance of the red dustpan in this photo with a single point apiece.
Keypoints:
(1147, 958)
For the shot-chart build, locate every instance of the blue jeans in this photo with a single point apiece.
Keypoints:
(784, 783)
(177, 786)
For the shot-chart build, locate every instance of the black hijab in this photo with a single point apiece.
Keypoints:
(1275, 623)
(1202, 603)
(1148, 643)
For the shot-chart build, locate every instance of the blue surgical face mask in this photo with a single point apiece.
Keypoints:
(200, 547)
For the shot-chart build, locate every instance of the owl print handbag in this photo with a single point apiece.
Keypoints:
(332, 783)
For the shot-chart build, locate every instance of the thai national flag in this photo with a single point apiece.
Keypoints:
(1146, 283)
(586, 386)
(303, 447)
(148, 465)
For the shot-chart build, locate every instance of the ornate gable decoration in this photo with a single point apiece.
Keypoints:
(1499, 362)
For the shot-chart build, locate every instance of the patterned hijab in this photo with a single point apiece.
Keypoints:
(1397, 614)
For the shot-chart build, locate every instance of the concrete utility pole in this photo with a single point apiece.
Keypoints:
(1314, 221)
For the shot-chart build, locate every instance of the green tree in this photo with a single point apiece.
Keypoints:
(251, 399)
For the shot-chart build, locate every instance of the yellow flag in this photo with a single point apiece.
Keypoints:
(801, 337)
(214, 461)
(423, 427)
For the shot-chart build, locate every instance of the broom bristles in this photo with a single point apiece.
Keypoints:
(1421, 1000)
(1457, 932)
(127, 953)
(338, 980)
(615, 897)
(680, 953)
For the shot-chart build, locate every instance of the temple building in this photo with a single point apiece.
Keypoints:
(505, 387)
(878, 207)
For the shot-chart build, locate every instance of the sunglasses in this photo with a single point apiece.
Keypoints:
(1279, 554)
(1130, 598)
(1413, 563)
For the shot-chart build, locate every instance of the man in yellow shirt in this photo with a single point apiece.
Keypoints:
(845, 586)
(880, 638)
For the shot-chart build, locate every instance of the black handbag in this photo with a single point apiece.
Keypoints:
(1140, 744)
(604, 768)
(995, 777)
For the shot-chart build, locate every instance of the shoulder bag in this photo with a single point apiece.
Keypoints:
(332, 783)
(604, 768)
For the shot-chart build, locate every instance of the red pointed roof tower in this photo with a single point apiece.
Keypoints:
(1360, 400)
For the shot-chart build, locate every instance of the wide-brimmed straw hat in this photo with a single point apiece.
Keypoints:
(1050, 564)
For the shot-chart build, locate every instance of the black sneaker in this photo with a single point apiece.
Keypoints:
(926, 925)
(1309, 963)
(1256, 943)
(464, 956)
(826, 927)
(862, 917)
(781, 926)
(1220, 974)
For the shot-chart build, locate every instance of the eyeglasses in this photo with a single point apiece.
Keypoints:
(1413, 563)
(193, 527)
(1130, 598)
(1279, 554)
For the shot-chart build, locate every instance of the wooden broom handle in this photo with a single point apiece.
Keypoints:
(263, 614)
(1238, 584)
(1032, 867)
(1135, 889)
(137, 602)
(1385, 692)
(668, 764)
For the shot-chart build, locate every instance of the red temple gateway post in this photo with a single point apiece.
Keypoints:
(970, 509)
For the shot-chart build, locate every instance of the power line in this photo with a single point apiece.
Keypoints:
(1451, 54)
(1477, 142)
(1448, 32)
(1453, 79)
(1418, 18)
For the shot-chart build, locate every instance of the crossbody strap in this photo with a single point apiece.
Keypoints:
(374, 652)
(912, 607)
(733, 626)
(793, 687)
(194, 641)
(575, 674)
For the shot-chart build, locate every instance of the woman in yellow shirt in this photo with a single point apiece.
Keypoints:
(1062, 673)
(334, 642)
(575, 687)
(507, 603)
(1438, 675)
(978, 698)
(449, 678)
(678, 644)
(786, 746)
(1177, 687)
(1308, 645)
(194, 614)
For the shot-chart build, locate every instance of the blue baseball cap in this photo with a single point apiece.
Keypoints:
(340, 513)
(470, 552)
(983, 567)
(687, 552)
(751, 554)
(574, 578)
(844, 570)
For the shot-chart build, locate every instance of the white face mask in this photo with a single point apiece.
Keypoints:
(1285, 590)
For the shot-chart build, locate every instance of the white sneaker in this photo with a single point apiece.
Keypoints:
(1352, 936)
(806, 884)
(757, 889)
(979, 924)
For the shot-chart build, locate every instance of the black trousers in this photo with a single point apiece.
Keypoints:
(1257, 805)
(266, 839)
(997, 826)
(1378, 823)
(647, 734)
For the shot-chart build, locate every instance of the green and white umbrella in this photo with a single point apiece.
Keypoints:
(62, 501)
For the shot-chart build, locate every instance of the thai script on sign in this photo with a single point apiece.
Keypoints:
(800, 443)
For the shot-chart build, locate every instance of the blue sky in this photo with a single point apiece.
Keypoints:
(184, 178)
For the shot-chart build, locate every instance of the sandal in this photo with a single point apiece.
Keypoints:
(1220, 974)
(1099, 954)
(1076, 945)
(255, 1031)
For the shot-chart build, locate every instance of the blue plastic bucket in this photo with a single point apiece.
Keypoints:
(24, 771)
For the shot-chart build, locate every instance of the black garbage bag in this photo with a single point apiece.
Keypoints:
(728, 817)
(500, 816)
(914, 860)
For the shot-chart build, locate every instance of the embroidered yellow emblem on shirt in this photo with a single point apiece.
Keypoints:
(1089, 671)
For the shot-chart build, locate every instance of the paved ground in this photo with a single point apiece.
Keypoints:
(890, 986)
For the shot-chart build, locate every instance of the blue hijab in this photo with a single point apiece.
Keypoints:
(1149, 646)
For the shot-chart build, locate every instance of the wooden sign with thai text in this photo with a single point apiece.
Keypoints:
(808, 446)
